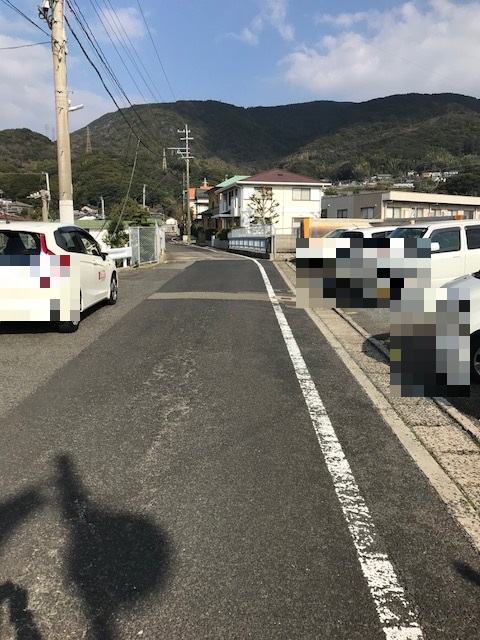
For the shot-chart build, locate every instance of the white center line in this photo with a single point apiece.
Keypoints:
(396, 614)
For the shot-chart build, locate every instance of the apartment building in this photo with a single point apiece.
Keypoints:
(392, 206)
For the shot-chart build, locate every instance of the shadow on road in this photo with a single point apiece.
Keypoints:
(468, 573)
(12, 513)
(21, 618)
(113, 559)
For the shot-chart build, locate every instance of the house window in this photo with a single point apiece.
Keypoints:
(300, 194)
(393, 212)
(342, 213)
(366, 212)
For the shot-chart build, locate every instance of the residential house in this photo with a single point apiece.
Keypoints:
(298, 197)
(198, 200)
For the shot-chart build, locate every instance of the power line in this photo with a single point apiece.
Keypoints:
(105, 63)
(105, 86)
(22, 46)
(12, 6)
(156, 51)
(158, 97)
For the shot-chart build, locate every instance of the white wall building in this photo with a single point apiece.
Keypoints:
(298, 197)
(391, 206)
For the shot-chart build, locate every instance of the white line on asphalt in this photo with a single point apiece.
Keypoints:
(396, 614)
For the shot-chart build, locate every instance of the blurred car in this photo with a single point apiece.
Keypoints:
(335, 233)
(367, 232)
(52, 271)
(455, 246)
(471, 283)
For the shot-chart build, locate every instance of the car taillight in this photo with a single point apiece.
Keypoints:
(43, 245)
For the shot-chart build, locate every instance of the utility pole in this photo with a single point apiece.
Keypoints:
(46, 198)
(185, 153)
(88, 145)
(53, 12)
(102, 201)
(143, 196)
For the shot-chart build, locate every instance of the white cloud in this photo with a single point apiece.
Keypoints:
(372, 54)
(121, 25)
(26, 77)
(26, 80)
(273, 14)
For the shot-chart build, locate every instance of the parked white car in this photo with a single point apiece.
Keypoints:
(335, 233)
(455, 246)
(368, 232)
(52, 271)
(471, 283)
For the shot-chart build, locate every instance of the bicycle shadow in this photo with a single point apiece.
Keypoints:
(113, 559)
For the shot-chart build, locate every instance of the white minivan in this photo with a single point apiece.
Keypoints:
(455, 246)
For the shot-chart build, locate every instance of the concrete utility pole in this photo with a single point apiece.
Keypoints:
(46, 200)
(143, 196)
(185, 153)
(52, 11)
(59, 49)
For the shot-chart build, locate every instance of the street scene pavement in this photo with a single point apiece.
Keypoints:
(205, 460)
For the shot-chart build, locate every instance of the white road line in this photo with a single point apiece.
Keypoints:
(396, 614)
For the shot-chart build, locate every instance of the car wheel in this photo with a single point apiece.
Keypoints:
(112, 298)
(475, 358)
(68, 326)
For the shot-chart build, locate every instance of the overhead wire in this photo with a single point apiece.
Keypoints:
(123, 39)
(156, 50)
(12, 6)
(22, 46)
(141, 123)
(105, 86)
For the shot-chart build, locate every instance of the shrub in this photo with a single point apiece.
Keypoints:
(222, 234)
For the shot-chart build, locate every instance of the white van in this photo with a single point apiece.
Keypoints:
(455, 246)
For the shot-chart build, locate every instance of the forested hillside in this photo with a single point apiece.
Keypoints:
(337, 140)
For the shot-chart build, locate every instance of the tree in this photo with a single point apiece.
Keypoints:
(263, 207)
(116, 234)
(464, 184)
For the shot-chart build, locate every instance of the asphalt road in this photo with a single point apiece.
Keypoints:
(160, 476)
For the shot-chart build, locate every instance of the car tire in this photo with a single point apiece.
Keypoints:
(113, 295)
(69, 326)
(475, 358)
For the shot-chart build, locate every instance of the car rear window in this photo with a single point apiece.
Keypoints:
(19, 243)
(381, 234)
(409, 232)
(352, 234)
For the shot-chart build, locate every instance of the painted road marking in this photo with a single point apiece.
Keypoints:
(396, 614)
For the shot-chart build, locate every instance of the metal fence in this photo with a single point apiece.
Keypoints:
(264, 239)
(254, 239)
(147, 243)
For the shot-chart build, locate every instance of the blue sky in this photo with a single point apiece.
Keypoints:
(257, 52)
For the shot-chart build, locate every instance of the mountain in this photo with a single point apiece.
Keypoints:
(321, 139)
(257, 135)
